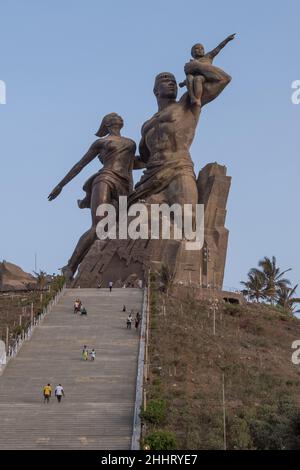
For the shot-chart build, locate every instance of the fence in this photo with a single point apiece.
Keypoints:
(26, 334)
(142, 372)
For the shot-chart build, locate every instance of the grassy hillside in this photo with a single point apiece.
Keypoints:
(251, 350)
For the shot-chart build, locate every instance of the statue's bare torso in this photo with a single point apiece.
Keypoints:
(169, 132)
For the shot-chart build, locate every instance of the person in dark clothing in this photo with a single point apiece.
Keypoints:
(83, 310)
(137, 320)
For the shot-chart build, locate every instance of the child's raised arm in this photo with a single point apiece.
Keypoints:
(222, 44)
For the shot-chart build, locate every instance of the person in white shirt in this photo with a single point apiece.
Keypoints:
(93, 354)
(59, 392)
(129, 321)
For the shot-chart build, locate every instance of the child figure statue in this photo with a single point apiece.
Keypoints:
(194, 82)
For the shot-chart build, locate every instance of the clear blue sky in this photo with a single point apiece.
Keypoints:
(67, 63)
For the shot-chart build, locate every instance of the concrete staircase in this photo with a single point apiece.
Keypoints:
(97, 412)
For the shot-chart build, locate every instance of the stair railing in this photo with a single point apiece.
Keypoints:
(26, 334)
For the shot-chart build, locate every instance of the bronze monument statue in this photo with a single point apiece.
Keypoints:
(168, 178)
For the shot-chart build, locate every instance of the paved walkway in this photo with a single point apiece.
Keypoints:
(97, 412)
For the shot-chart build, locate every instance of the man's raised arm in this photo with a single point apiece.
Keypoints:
(215, 81)
(213, 87)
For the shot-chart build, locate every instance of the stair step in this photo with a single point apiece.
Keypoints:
(97, 412)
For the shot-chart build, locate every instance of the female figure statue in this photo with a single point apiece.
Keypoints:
(117, 154)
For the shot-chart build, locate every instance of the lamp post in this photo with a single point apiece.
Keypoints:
(214, 306)
(206, 259)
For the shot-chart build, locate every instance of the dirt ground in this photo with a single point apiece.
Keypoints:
(15, 310)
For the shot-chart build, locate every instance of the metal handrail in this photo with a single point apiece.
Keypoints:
(142, 372)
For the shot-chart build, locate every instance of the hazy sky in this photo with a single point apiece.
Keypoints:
(67, 63)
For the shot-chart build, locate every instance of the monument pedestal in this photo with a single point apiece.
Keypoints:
(125, 262)
(213, 189)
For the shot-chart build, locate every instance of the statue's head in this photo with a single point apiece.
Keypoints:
(165, 85)
(109, 121)
(197, 51)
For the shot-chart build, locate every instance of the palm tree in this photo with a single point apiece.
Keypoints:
(273, 277)
(286, 298)
(255, 286)
(41, 279)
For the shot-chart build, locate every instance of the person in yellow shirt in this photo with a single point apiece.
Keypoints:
(85, 353)
(47, 390)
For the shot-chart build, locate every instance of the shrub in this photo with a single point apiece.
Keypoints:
(276, 427)
(156, 412)
(161, 440)
(269, 434)
(239, 434)
(18, 330)
(250, 327)
(156, 382)
(234, 310)
(283, 317)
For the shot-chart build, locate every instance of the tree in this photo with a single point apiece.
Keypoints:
(273, 277)
(166, 278)
(269, 283)
(255, 286)
(41, 279)
(286, 298)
